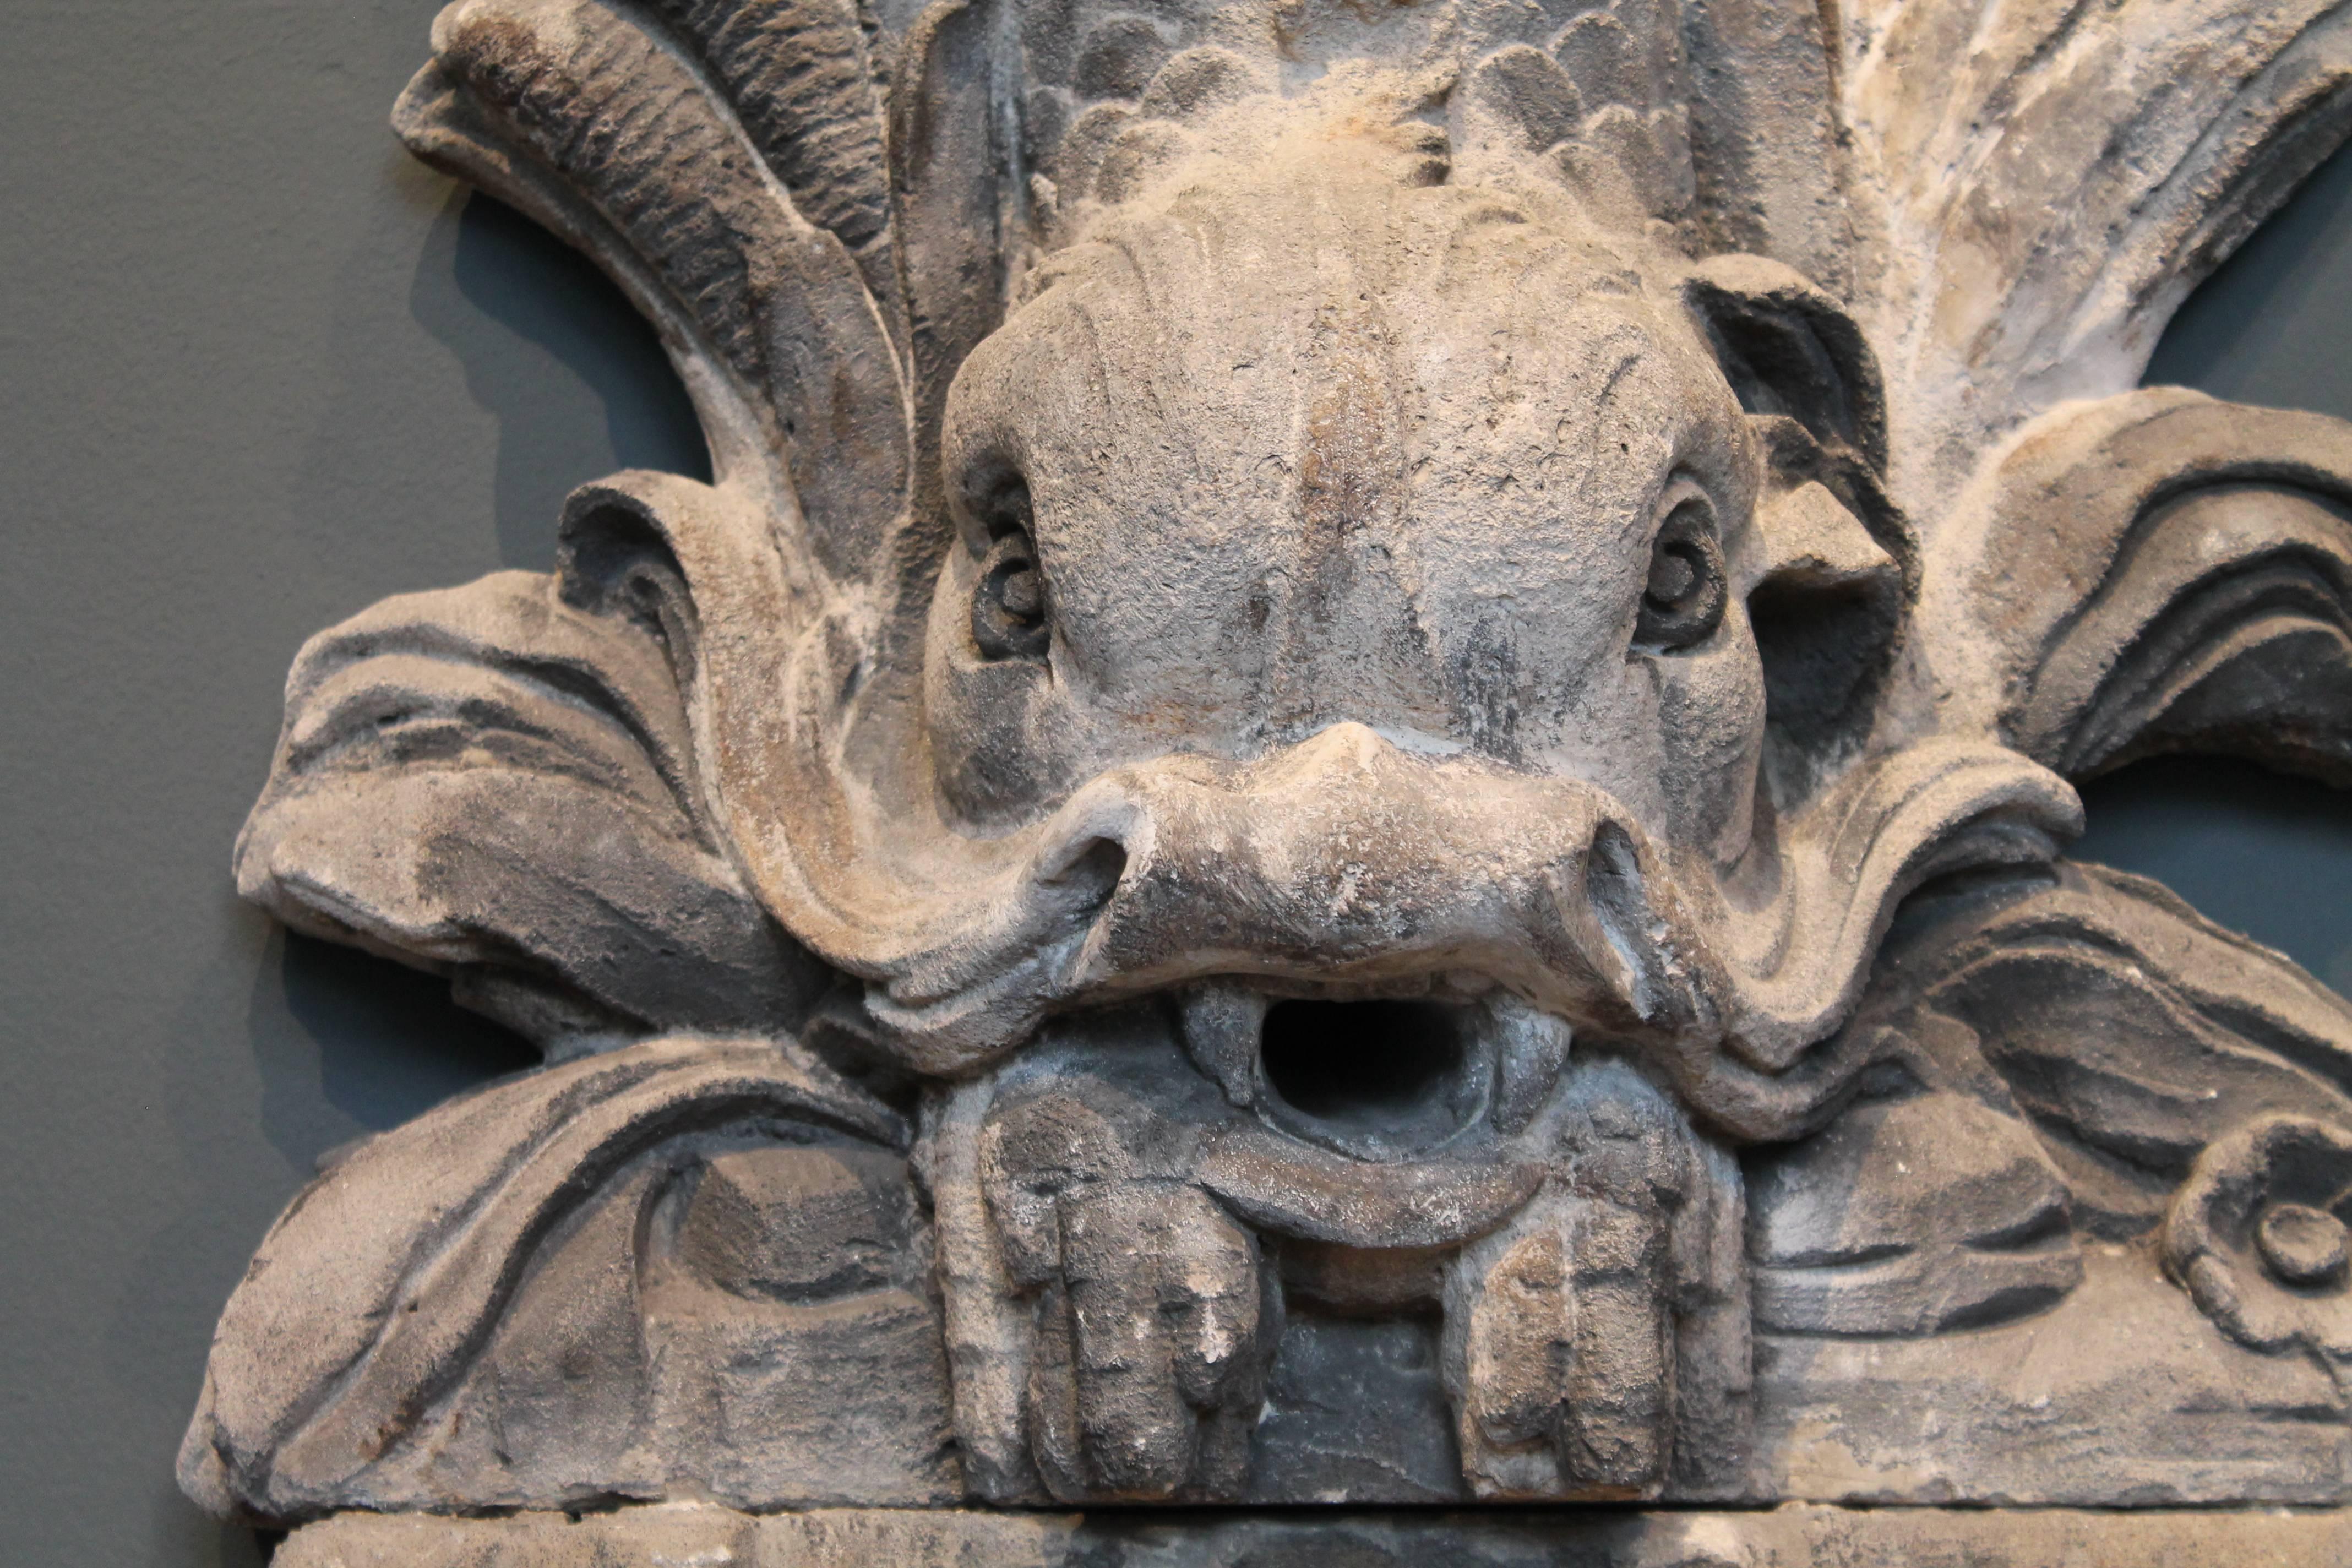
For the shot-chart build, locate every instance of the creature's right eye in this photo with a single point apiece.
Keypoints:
(1681, 602)
(1009, 608)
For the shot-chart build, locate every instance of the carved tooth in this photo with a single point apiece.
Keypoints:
(1531, 1050)
(1221, 1025)
(1466, 983)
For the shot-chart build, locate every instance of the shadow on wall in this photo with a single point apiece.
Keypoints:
(347, 1044)
(599, 395)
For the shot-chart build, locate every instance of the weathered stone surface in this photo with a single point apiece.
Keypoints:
(549, 1292)
(1787, 1537)
(796, 1223)
(2117, 1397)
(1909, 1216)
(1353, 791)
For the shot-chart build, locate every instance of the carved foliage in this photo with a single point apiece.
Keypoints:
(531, 1294)
(501, 785)
(2159, 572)
(2049, 1055)
(2041, 186)
(2258, 1236)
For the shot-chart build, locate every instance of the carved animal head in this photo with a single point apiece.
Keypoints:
(1311, 504)
(1310, 446)
(1423, 577)
(1329, 505)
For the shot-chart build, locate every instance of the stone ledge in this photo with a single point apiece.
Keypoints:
(686, 1536)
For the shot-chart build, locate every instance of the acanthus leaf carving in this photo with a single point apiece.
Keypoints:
(438, 747)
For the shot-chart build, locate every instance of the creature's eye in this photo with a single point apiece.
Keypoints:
(1008, 608)
(1683, 601)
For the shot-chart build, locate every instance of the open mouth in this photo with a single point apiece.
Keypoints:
(1380, 1078)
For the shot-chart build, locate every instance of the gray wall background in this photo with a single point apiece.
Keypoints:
(257, 370)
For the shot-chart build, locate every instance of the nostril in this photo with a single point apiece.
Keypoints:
(1378, 1077)
(1092, 874)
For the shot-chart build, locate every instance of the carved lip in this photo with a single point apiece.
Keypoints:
(1378, 1077)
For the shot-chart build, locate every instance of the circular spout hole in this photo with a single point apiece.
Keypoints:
(1373, 1077)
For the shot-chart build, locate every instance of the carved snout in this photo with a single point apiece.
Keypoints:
(1348, 866)
(1344, 868)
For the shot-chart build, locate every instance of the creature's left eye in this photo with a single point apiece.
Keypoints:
(1681, 602)
(1009, 608)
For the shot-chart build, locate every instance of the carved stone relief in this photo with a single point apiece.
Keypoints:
(1353, 792)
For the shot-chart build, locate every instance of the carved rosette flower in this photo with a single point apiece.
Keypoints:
(2258, 1234)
